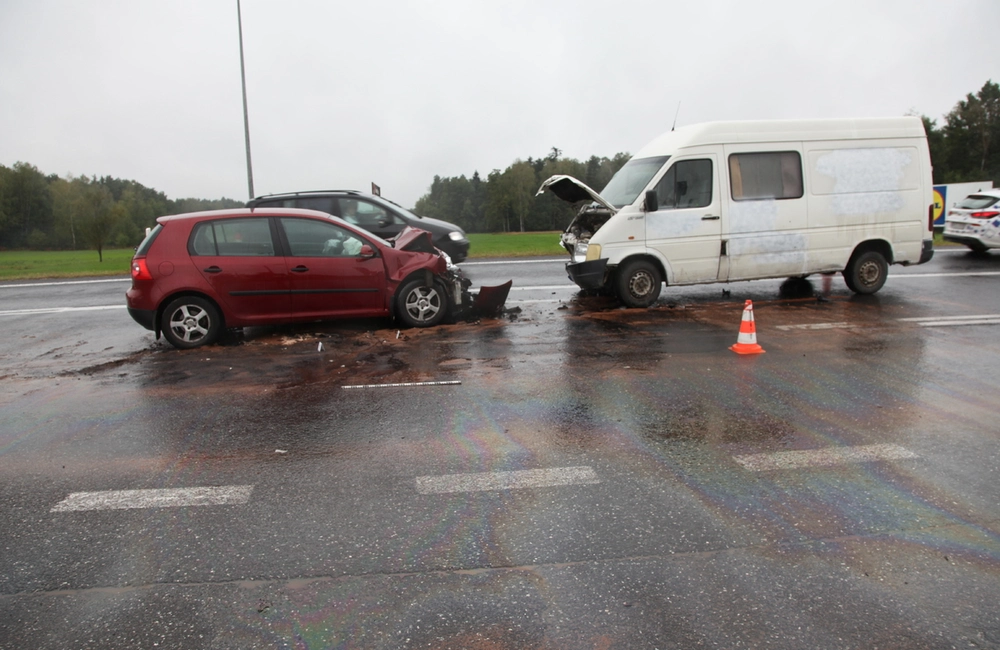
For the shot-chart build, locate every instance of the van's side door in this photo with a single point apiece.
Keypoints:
(767, 214)
(686, 227)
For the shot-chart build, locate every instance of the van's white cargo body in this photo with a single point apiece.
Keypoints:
(728, 201)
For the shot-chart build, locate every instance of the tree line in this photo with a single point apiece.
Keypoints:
(46, 212)
(39, 211)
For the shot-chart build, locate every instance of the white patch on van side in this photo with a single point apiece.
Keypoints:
(755, 253)
(786, 251)
(752, 216)
(865, 181)
(670, 223)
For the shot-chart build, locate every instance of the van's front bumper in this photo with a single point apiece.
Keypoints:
(588, 275)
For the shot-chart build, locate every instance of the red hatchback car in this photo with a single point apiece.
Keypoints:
(197, 274)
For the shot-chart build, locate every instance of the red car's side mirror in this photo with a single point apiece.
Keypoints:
(366, 252)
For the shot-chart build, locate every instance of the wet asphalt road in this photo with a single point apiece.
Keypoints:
(713, 515)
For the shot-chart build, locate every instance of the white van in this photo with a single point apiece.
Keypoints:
(729, 201)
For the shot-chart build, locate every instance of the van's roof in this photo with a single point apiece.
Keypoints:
(783, 131)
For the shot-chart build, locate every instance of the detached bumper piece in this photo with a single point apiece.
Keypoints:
(588, 275)
(490, 300)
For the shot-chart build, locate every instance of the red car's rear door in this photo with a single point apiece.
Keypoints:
(239, 259)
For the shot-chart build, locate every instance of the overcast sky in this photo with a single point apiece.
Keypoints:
(343, 94)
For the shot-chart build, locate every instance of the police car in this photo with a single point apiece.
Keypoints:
(975, 221)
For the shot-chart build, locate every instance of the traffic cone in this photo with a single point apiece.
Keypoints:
(746, 342)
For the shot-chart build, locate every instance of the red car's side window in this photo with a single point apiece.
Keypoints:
(232, 238)
(312, 238)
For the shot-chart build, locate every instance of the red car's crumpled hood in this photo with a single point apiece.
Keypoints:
(414, 239)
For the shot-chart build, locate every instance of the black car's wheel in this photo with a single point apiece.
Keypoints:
(866, 273)
(638, 283)
(419, 305)
(190, 321)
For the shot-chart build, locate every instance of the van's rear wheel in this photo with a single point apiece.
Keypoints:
(638, 283)
(866, 273)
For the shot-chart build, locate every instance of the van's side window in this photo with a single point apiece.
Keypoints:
(770, 175)
(687, 184)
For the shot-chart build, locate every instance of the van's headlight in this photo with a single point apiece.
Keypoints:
(580, 252)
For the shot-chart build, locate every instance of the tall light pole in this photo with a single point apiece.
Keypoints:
(246, 118)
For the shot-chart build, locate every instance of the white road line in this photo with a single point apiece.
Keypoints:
(155, 498)
(822, 457)
(493, 481)
(59, 284)
(816, 326)
(923, 321)
(963, 274)
(948, 321)
(546, 287)
(406, 385)
(58, 310)
(525, 261)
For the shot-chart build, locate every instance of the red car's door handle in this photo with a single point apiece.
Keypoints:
(213, 269)
(300, 269)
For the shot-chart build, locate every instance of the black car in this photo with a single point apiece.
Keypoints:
(373, 213)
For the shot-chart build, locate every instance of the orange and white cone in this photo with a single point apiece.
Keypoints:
(746, 342)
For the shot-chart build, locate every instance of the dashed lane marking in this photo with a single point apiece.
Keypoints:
(816, 326)
(948, 321)
(406, 385)
(822, 457)
(922, 321)
(514, 480)
(155, 498)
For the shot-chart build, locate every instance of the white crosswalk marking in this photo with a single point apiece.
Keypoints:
(822, 457)
(155, 498)
(490, 481)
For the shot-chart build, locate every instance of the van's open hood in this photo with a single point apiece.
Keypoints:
(571, 190)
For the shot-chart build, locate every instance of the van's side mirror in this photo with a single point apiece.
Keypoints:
(652, 203)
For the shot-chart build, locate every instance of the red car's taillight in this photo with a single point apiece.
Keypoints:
(139, 270)
(986, 214)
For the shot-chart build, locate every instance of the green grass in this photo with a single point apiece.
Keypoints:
(29, 265)
(516, 244)
(25, 265)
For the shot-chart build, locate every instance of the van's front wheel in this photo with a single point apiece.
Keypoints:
(866, 273)
(638, 283)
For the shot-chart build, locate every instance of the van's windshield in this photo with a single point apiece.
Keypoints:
(624, 186)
